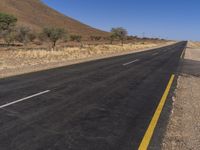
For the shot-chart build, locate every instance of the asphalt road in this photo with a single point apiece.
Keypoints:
(100, 105)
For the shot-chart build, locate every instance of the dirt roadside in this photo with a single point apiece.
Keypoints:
(16, 62)
(183, 129)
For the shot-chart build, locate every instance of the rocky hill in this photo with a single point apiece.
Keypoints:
(37, 15)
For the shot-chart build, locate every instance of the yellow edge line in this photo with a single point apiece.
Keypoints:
(148, 135)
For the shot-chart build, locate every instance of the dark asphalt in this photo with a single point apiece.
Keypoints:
(98, 105)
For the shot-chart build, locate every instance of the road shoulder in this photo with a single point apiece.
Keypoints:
(179, 127)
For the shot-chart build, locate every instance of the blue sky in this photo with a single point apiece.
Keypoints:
(172, 19)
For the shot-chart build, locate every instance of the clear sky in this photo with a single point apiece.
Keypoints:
(172, 19)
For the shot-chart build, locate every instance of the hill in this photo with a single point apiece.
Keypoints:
(36, 14)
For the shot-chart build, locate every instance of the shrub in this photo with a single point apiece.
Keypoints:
(95, 38)
(24, 35)
(9, 37)
(76, 38)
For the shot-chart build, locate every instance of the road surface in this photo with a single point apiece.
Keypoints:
(99, 105)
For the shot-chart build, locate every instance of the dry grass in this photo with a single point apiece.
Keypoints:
(193, 44)
(19, 57)
(76, 52)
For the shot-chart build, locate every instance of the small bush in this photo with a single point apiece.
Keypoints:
(24, 35)
(95, 38)
(76, 38)
(9, 37)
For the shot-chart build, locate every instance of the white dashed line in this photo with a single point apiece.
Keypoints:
(23, 99)
(128, 63)
(155, 54)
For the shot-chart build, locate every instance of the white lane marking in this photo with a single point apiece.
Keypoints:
(182, 54)
(23, 99)
(128, 63)
(155, 54)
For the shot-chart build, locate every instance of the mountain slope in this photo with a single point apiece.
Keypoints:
(37, 15)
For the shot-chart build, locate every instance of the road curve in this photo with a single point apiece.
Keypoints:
(99, 105)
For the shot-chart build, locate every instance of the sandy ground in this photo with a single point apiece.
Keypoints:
(183, 130)
(15, 62)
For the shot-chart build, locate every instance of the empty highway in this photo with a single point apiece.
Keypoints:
(105, 104)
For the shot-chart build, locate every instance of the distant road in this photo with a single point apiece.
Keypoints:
(100, 105)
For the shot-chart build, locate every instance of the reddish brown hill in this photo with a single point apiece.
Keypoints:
(37, 15)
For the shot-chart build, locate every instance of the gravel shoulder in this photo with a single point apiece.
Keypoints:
(183, 129)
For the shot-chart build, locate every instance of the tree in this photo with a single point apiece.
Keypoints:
(76, 38)
(112, 38)
(7, 21)
(24, 35)
(7, 27)
(119, 33)
(53, 34)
